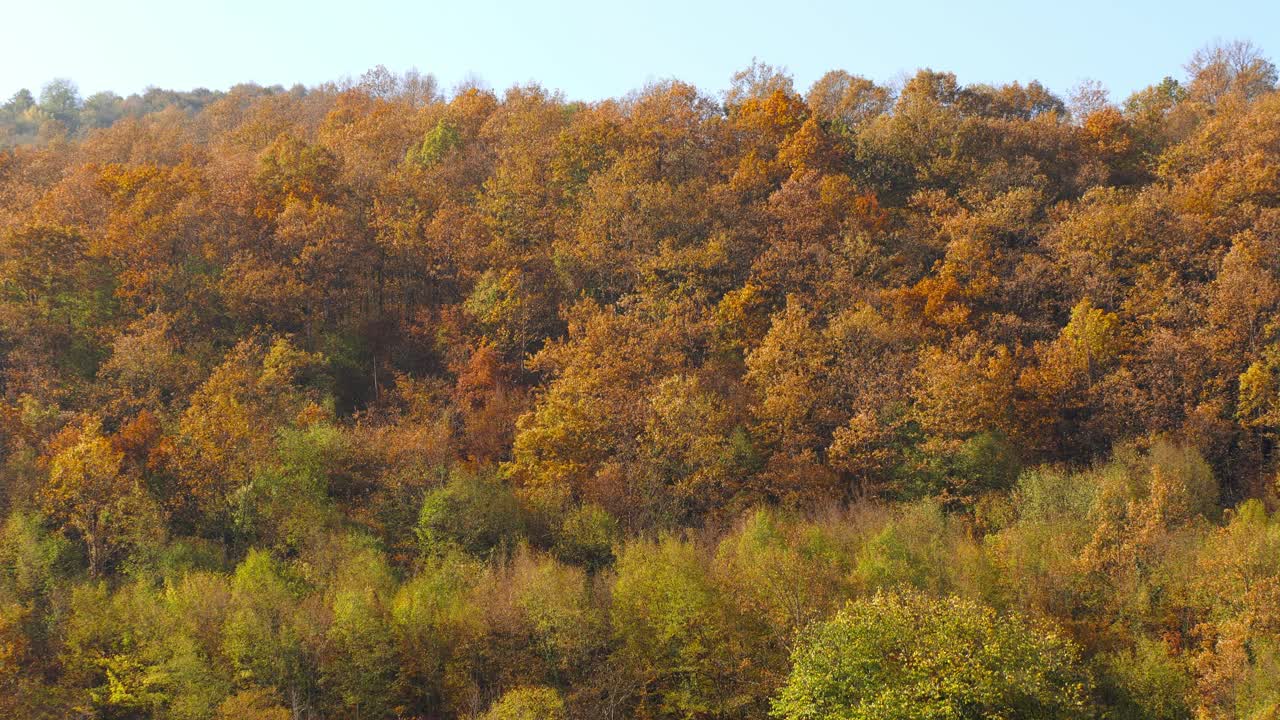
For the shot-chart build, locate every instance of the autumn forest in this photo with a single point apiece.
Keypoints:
(373, 400)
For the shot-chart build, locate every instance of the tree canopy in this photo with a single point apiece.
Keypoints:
(370, 400)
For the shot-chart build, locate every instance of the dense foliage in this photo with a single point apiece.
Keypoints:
(903, 657)
(361, 401)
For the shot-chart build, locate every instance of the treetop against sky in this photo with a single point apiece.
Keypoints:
(596, 50)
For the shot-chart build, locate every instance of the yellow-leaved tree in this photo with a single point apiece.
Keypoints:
(90, 494)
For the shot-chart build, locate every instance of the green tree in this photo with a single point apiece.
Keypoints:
(905, 655)
(672, 630)
(475, 513)
(60, 98)
(360, 664)
(528, 703)
(264, 634)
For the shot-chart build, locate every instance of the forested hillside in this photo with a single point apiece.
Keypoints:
(367, 401)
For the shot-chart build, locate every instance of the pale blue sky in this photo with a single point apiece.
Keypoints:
(592, 50)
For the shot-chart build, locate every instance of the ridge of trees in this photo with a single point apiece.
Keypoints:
(370, 401)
